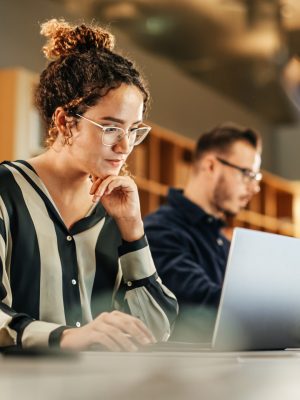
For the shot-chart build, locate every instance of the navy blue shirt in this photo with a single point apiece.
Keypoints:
(189, 251)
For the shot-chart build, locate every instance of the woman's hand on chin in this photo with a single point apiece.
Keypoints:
(119, 196)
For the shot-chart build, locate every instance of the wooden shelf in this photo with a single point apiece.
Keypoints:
(165, 160)
(20, 126)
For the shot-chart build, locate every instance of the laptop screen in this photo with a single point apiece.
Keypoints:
(260, 302)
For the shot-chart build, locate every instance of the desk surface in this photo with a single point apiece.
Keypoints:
(153, 376)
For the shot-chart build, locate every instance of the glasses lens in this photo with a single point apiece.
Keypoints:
(140, 134)
(251, 176)
(112, 135)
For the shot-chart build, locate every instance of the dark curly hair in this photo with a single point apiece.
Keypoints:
(84, 68)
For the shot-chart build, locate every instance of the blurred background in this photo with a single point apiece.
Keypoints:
(206, 61)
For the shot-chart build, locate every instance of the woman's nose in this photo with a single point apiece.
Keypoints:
(123, 145)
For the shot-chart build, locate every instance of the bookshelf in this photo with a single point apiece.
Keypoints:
(162, 160)
(20, 127)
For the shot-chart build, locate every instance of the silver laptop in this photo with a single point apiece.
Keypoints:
(260, 302)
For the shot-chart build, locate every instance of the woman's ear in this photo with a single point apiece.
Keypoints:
(60, 120)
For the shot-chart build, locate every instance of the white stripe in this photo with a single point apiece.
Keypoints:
(5, 319)
(137, 264)
(5, 254)
(37, 180)
(51, 296)
(118, 281)
(86, 257)
(5, 281)
(152, 315)
(8, 337)
(5, 217)
(37, 334)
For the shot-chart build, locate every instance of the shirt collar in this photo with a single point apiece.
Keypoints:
(193, 213)
(92, 218)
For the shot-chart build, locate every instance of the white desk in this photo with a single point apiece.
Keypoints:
(153, 376)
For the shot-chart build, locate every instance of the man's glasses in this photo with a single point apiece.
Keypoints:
(248, 174)
(112, 135)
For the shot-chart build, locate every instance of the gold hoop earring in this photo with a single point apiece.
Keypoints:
(68, 139)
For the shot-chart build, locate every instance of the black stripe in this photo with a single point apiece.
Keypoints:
(106, 267)
(50, 207)
(3, 292)
(26, 165)
(55, 336)
(79, 226)
(25, 257)
(142, 282)
(128, 247)
(7, 310)
(18, 324)
(88, 222)
(68, 259)
(2, 230)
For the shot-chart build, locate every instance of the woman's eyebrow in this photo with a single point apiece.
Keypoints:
(119, 121)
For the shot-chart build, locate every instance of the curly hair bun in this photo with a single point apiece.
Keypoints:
(64, 38)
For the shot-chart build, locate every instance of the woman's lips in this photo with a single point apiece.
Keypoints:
(115, 163)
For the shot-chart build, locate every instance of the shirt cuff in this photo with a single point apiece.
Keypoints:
(136, 262)
(55, 336)
(128, 247)
(39, 334)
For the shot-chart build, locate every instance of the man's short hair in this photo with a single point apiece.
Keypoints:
(222, 137)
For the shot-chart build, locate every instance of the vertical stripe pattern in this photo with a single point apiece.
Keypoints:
(52, 277)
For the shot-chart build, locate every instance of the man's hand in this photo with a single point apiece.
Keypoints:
(116, 331)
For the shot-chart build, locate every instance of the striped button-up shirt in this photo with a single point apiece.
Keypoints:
(52, 277)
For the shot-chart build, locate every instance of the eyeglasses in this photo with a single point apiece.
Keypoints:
(248, 174)
(112, 135)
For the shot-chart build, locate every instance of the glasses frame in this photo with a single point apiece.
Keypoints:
(248, 174)
(104, 128)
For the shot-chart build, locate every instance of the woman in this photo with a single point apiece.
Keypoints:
(72, 250)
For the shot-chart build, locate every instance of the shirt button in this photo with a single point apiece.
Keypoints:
(69, 238)
(129, 283)
(74, 282)
(78, 324)
(220, 242)
(210, 220)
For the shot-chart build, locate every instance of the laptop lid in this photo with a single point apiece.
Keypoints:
(260, 302)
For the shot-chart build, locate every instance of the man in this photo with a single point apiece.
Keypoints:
(185, 235)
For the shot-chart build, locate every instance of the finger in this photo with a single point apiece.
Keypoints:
(115, 337)
(102, 187)
(105, 340)
(95, 185)
(120, 185)
(124, 340)
(99, 336)
(132, 326)
(145, 330)
(140, 333)
(98, 183)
